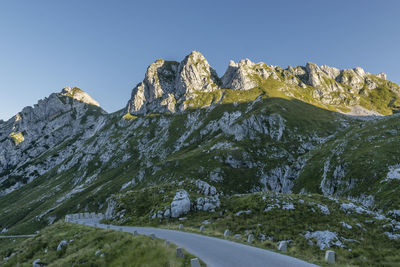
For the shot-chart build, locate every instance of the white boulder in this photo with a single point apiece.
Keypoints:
(180, 204)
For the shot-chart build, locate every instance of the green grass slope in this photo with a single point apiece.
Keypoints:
(360, 237)
(357, 163)
(88, 246)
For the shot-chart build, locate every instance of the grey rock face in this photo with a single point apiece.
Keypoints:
(53, 120)
(195, 74)
(168, 85)
(79, 95)
(354, 78)
(110, 212)
(381, 75)
(241, 76)
(314, 74)
(166, 82)
(157, 86)
(237, 76)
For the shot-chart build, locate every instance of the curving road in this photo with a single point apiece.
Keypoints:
(213, 251)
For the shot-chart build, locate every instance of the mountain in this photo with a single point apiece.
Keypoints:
(171, 86)
(257, 128)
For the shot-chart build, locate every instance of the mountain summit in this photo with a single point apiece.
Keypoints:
(77, 94)
(170, 86)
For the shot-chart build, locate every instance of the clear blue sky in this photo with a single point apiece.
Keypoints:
(104, 47)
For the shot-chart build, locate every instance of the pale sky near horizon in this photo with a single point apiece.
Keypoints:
(105, 47)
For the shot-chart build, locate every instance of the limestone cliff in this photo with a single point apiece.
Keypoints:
(169, 86)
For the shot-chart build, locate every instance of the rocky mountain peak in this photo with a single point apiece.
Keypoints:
(166, 82)
(170, 86)
(237, 76)
(195, 74)
(77, 94)
(381, 75)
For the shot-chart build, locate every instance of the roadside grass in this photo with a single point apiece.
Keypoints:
(365, 244)
(88, 246)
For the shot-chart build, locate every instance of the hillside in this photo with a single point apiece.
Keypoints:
(86, 246)
(258, 128)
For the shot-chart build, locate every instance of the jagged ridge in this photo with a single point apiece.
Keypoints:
(170, 86)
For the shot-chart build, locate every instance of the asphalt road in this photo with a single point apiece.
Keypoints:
(213, 251)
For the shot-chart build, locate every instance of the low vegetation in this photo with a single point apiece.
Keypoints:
(310, 223)
(87, 246)
(17, 137)
(129, 116)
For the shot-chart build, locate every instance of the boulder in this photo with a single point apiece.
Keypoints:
(62, 244)
(180, 204)
(195, 262)
(179, 253)
(227, 233)
(330, 256)
(282, 246)
(37, 263)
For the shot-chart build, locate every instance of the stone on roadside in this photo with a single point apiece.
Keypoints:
(238, 236)
(195, 262)
(282, 246)
(153, 236)
(179, 253)
(135, 233)
(202, 228)
(250, 238)
(330, 256)
(180, 226)
(227, 233)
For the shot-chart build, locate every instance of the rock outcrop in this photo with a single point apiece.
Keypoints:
(77, 94)
(166, 82)
(168, 85)
(195, 74)
(34, 130)
(180, 204)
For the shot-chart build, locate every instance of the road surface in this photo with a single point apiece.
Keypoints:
(213, 251)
